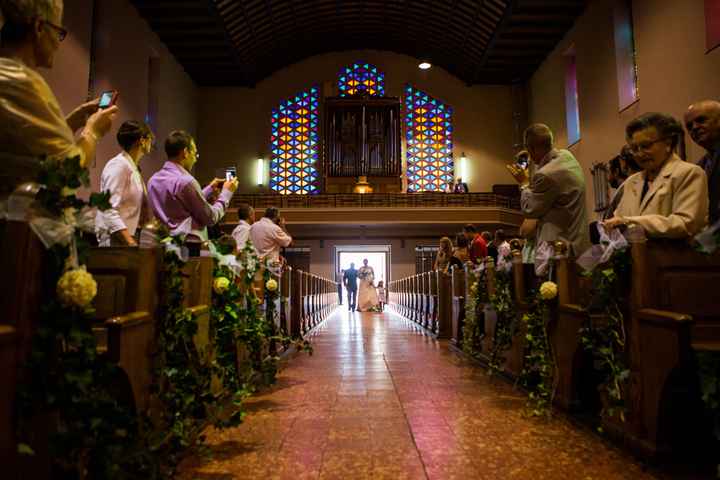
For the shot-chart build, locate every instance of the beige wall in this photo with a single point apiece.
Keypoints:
(234, 123)
(673, 70)
(124, 45)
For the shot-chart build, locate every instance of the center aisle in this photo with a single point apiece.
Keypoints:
(381, 400)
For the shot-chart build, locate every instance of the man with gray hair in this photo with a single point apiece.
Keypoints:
(33, 125)
(556, 194)
(702, 122)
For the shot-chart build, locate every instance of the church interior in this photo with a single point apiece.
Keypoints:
(360, 239)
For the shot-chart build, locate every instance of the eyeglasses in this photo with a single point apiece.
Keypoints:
(644, 146)
(61, 32)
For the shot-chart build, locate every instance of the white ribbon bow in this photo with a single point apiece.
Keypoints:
(610, 243)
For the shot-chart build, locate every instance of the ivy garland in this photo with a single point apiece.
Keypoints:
(605, 340)
(64, 382)
(506, 325)
(538, 371)
(182, 376)
(473, 331)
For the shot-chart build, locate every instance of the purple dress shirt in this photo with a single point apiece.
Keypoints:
(175, 195)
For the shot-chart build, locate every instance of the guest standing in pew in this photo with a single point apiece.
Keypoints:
(241, 234)
(669, 198)
(477, 248)
(33, 126)
(504, 252)
(702, 121)
(460, 252)
(491, 248)
(449, 188)
(118, 225)
(556, 194)
(175, 195)
(269, 235)
(442, 260)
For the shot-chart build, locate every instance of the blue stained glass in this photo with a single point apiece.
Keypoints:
(294, 134)
(361, 79)
(428, 124)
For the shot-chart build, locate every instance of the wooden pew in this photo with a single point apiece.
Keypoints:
(458, 306)
(444, 318)
(8, 379)
(571, 361)
(126, 305)
(674, 312)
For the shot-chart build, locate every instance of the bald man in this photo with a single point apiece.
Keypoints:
(702, 121)
(556, 194)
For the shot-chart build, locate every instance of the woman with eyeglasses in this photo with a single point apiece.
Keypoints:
(128, 196)
(33, 125)
(668, 198)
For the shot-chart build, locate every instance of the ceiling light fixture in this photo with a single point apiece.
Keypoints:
(424, 66)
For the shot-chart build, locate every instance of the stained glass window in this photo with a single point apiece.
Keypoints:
(428, 124)
(572, 110)
(361, 79)
(294, 145)
(625, 60)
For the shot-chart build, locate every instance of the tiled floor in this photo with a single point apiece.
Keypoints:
(381, 400)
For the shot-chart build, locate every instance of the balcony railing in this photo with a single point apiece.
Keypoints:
(378, 200)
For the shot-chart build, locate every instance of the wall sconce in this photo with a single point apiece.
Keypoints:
(260, 173)
(462, 168)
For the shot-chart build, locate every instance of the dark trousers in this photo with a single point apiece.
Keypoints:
(340, 293)
(352, 297)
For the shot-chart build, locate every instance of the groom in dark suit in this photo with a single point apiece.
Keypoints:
(350, 282)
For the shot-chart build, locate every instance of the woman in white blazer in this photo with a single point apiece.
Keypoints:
(121, 176)
(669, 197)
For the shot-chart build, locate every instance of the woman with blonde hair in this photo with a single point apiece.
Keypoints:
(445, 253)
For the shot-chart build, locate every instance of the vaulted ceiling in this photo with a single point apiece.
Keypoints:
(240, 42)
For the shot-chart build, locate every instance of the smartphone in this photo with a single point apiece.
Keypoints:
(522, 161)
(108, 98)
(230, 173)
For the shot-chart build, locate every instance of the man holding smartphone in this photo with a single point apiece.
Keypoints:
(175, 195)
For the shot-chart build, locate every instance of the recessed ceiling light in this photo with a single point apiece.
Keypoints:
(424, 66)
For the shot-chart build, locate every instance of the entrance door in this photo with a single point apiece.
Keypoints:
(378, 257)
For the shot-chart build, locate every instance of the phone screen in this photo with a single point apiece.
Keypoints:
(106, 99)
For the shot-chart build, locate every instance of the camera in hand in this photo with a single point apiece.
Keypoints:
(522, 160)
(108, 99)
(230, 173)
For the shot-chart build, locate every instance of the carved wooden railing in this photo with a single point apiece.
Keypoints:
(671, 313)
(377, 200)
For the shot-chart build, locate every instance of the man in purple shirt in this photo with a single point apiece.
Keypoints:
(175, 195)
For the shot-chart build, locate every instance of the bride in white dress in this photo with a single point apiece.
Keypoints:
(367, 295)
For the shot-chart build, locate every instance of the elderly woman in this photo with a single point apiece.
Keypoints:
(33, 125)
(121, 177)
(669, 197)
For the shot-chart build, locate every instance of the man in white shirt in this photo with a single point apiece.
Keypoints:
(241, 234)
(269, 235)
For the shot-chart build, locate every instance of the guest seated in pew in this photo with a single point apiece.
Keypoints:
(669, 198)
(175, 195)
(117, 225)
(449, 188)
(556, 194)
(33, 125)
(460, 252)
(702, 121)
(241, 234)
(477, 248)
(269, 235)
